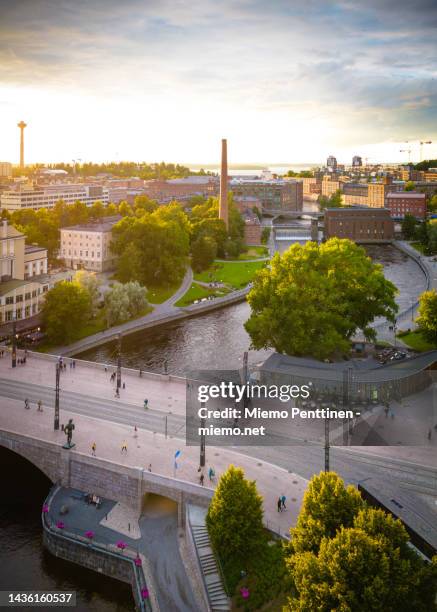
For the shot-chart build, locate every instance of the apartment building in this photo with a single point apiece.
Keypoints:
(5, 169)
(45, 196)
(181, 188)
(360, 224)
(23, 276)
(406, 203)
(355, 194)
(330, 185)
(275, 194)
(87, 246)
(312, 187)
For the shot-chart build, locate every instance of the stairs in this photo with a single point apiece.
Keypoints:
(218, 599)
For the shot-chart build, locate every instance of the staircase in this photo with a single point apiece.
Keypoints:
(218, 599)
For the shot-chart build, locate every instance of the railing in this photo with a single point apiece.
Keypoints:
(79, 538)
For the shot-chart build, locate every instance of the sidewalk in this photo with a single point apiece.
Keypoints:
(149, 448)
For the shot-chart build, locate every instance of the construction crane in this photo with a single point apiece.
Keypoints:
(423, 142)
(406, 151)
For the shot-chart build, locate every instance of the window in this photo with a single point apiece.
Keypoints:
(19, 313)
(27, 311)
(27, 296)
(9, 315)
(45, 288)
(34, 293)
(34, 306)
(10, 299)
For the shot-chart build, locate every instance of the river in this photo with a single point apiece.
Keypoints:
(218, 339)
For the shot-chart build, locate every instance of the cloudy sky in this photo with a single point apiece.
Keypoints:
(285, 81)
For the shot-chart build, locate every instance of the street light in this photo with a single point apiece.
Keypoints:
(14, 343)
(202, 460)
(58, 371)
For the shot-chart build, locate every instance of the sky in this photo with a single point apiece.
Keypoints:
(284, 81)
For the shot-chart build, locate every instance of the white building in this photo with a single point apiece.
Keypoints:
(87, 246)
(46, 196)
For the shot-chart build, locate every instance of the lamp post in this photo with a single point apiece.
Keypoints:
(14, 343)
(202, 460)
(58, 371)
(119, 362)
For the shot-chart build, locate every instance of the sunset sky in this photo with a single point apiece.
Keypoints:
(284, 81)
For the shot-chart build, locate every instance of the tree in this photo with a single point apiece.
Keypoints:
(427, 319)
(124, 302)
(67, 307)
(97, 210)
(432, 204)
(265, 235)
(91, 283)
(334, 201)
(143, 202)
(313, 298)
(409, 186)
(327, 505)
(409, 226)
(235, 516)
(128, 265)
(363, 568)
(203, 252)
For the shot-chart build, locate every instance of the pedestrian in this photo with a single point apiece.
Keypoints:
(150, 467)
(146, 403)
(283, 500)
(124, 385)
(39, 406)
(211, 473)
(201, 478)
(124, 447)
(279, 504)
(135, 432)
(74, 364)
(26, 404)
(93, 449)
(117, 392)
(141, 373)
(429, 434)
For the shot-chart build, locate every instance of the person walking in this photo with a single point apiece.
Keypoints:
(117, 392)
(201, 478)
(150, 467)
(124, 447)
(211, 473)
(39, 406)
(93, 449)
(146, 403)
(26, 404)
(279, 504)
(283, 500)
(135, 432)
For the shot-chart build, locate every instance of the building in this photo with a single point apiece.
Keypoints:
(428, 187)
(406, 203)
(35, 196)
(377, 192)
(312, 187)
(355, 194)
(357, 161)
(243, 203)
(360, 224)
(330, 185)
(23, 276)
(252, 228)
(274, 195)
(87, 246)
(331, 163)
(181, 188)
(5, 170)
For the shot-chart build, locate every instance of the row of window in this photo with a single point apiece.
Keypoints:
(27, 296)
(64, 252)
(19, 313)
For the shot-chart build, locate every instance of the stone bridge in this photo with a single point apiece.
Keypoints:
(128, 485)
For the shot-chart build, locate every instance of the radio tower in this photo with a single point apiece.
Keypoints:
(21, 125)
(223, 204)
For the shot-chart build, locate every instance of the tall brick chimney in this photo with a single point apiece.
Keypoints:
(223, 204)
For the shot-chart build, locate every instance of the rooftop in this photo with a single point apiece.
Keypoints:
(33, 248)
(406, 194)
(104, 225)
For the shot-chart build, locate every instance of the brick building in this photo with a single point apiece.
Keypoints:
(360, 224)
(406, 203)
(252, 228)
(275, 194)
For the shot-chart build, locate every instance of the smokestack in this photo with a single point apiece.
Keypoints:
(22, 125)
(223, 206)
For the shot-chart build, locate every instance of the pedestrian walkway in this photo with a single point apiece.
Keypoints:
(149, 448)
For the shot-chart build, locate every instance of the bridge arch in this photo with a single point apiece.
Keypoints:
(46, 460)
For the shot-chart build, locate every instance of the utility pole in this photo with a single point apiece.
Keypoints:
(327, 443)
(14, 343)
(119, 361)
(202, 440)
(58, 371)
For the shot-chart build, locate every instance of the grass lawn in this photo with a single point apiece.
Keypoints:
(158, 295)
(254, 252)
(416, 341)
(419, 247)
(197, 292)
(235, 274)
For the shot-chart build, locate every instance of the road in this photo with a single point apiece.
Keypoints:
(353, 464)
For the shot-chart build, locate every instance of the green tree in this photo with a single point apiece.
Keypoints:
(427, 319)
(67, 307)
(265, 235)
(432, 204)
(313, 298)
(203, 252)
(409, 226)
(327, 505)
(97, 210)
(363, 568)
(334, 201)
(128, 266)
(91, 283)
(409, 186)
(143, 202)
(124, 301)
(235, 516)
